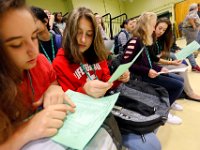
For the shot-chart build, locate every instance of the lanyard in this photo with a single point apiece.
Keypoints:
(158, 47)
(33, 91)
(148, 57)
(86, 72)
(52, 48)
(31, 84)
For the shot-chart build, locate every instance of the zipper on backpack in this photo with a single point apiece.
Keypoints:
(117, 108)
(143, 138)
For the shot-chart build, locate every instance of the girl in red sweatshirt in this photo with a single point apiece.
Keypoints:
(81, 64)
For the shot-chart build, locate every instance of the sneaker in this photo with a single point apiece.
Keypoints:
(196, 68)
(172, 119)
(176, 106)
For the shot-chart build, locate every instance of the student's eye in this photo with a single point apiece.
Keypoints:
(89, 34)
(80, 32)
(16, 45)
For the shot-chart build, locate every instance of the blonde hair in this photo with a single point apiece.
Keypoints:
(142, 27)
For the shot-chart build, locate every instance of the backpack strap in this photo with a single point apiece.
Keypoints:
(58, 40)
(125, 32)
(117, 43)
(127, 35)
(121, 50)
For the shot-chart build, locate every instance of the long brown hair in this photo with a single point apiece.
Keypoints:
(166, 38)
(96, 52)
(12, 108)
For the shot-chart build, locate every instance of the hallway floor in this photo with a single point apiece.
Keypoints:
(185, 136)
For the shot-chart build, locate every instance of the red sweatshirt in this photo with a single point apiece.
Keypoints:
(42, 75)
(72, 76)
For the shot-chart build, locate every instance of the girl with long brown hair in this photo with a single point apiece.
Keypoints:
(27, 81)
(162, 47)
(81, 65)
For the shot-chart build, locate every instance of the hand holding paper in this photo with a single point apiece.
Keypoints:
(80, 127)
(175, 70)
(124, 77)
(152, 73)
(96, 88)
(176, 62)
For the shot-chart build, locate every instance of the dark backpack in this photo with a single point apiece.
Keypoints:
(117, 45)
(141, 107)
(58, 40)
(115, 60)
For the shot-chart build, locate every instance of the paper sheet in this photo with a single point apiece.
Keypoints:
(80, 127)
(175, 70)
(123, 68)
(189, 49)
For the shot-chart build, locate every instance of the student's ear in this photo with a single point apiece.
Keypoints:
(125, 26)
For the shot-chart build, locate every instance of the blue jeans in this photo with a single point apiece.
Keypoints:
(135, 142)
(173, 83)
(191, 35)
(192, 60)
(198, 38)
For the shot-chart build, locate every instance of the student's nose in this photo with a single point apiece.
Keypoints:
(161, 32)
(32, 47)
(83, 38)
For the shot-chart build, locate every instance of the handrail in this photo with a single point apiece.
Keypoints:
(124, 14)
(108, 14)
(65, 14)
(110, 21)
(121, 18)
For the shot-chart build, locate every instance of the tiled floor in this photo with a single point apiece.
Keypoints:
(185, 136)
